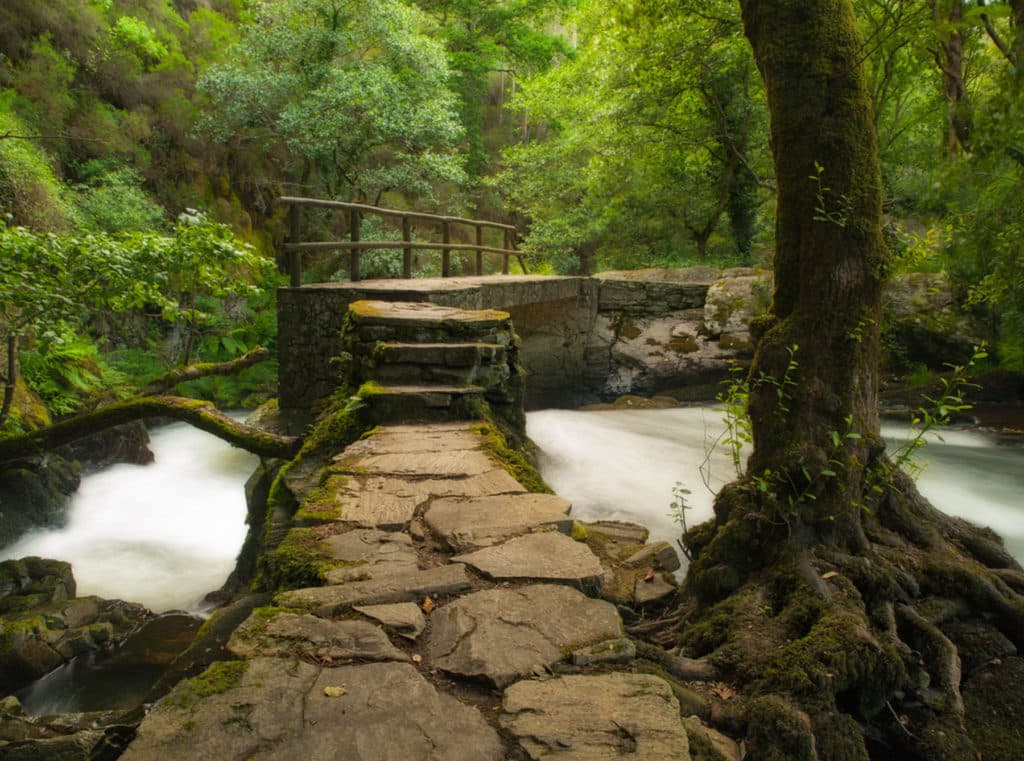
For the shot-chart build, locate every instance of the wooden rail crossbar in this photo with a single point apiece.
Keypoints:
(295, 246)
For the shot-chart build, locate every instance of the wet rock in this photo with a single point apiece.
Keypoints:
(413, 587)
(596, 718)
(542, 557)
(32, 582)
(286, 709)
(405, 618)
(282, 634)
(505, 634)
(471, 523)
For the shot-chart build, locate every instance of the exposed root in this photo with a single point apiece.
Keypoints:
(838, 649)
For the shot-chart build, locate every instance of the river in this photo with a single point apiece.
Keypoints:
(622, 465)
(163, 534)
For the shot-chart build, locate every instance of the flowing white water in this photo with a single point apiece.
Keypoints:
(622, 465)
(163, 534)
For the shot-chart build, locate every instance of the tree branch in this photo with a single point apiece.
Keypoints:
(169, 380)
(202, 415)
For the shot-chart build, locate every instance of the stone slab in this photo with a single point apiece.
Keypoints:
(370, 553)
(607, 717)
(546, 556)
(505, 634)
(401, 313)
(405, 618)
(283, 634)
(282, 709)
(466, 524)
(390, 502)
(439, 462)
(413, 587)
(413, 438)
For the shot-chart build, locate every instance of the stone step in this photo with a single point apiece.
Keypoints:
(418, 322)
(474, 375)
(458, 354)
(407, 403)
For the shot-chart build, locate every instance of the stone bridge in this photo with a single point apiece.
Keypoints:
(581, 339)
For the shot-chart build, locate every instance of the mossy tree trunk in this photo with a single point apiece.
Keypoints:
(815, 376)
(825, 586)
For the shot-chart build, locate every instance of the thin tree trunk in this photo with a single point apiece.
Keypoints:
(950, 59)
(11, 380)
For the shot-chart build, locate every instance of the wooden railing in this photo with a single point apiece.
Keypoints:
(295, 246)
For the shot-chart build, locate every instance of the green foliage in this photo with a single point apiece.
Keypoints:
(350, 95)
(115, 202)
(646, 139)
(66, 371)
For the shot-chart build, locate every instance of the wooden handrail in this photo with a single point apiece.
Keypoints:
(364, 208)
(295, 246)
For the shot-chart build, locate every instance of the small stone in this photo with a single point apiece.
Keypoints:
(657, 588)
(660, 554)
(405, 618)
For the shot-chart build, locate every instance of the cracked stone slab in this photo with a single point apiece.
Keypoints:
(467, 524)
(504, 634)
(437, 462)
(390, 502)
(405, 618)
(370, 553)
(546, 556)
(412, 587)
(283, 634)
(282, 709)
(606, 717)
(405, 439)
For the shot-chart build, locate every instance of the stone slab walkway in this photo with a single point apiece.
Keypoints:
(411, 651)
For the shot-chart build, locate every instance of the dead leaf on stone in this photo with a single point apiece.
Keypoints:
(335, 691)
(723, 691)
(649, 576)
(417, 659)
(428, 605)
(829, 575)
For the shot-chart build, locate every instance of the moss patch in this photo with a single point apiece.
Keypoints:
(218, 678)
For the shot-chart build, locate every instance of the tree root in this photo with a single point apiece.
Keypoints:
(833, 644)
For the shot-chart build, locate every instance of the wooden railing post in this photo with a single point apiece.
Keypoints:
(353, 268)
(294, 232)
(446, 254)
(406, 252)
(508, 248)
(479, 253)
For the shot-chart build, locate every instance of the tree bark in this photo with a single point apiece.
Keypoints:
(169, 380)
(950, 59)
(830, 259)
(202, 415)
